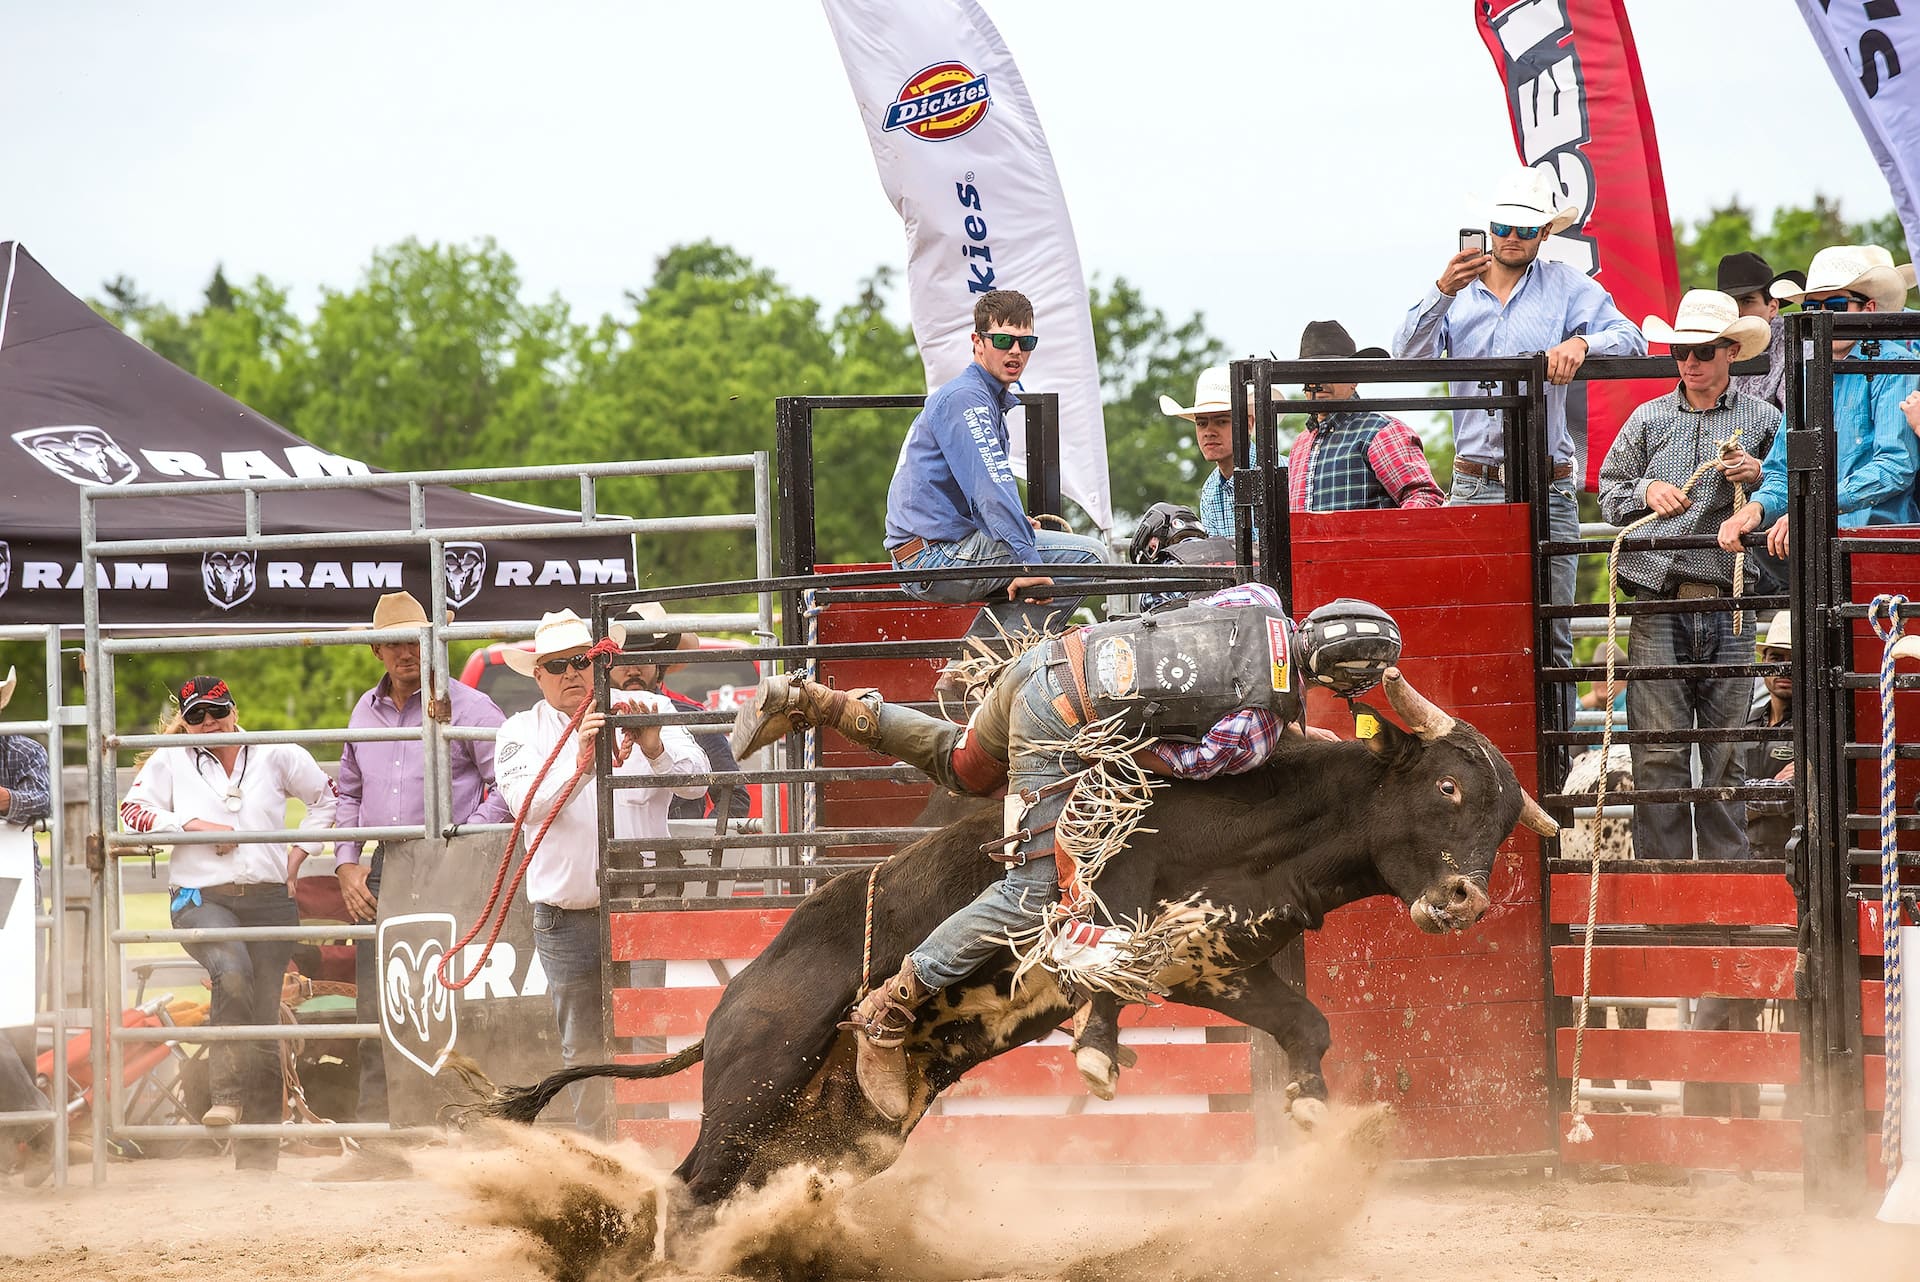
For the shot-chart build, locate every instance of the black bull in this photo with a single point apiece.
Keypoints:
(1419, 816)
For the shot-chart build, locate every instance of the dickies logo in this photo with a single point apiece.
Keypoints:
(939, 102)
(80, 454)
(466, 570)
(229, 577)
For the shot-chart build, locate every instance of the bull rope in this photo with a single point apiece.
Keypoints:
(602, 649)
(1580, 1132)
(1884, 615)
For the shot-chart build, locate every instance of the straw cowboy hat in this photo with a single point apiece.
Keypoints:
(1708, 314)
(6, 688)
(398, 610)
(1528, 198)
(1779, 632)
(1859, 269)
(560, 632)
(650, 639)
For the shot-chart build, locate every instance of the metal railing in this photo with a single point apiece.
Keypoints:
(105, 743)
(49, 989)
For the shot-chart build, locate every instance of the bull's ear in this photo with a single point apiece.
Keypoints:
(1392, 744)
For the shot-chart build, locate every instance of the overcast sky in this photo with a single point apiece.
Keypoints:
(157, 140)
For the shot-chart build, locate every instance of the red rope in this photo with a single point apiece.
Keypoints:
(602, 649)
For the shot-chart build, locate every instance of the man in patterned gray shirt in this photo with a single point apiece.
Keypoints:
(1703, 421)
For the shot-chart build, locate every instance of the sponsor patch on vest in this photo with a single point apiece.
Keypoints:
(1177, 672)
(1278, 653)
(1113, 667)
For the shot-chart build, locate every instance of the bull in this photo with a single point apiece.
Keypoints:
(1253, 859)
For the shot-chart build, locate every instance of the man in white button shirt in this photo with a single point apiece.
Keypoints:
(563, 881)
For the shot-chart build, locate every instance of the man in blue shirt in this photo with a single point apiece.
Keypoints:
(953, 501)
(1878, 457)
(1510, 302)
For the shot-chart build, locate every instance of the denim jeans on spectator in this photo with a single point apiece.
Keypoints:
(1665, 830)
(244, 979)
(1563, 514)
(568, 942)
(959, 945)
(982, 550)
(372, 1105)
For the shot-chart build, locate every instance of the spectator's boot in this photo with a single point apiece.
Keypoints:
(882, 1019)
(785, 704)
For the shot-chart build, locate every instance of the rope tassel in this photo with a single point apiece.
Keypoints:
(1884, 615)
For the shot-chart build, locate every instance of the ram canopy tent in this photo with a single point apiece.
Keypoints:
(83, 404)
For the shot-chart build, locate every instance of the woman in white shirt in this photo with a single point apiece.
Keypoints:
(229, 788)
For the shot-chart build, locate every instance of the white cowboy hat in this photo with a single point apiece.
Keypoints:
(1705, 315)
(6, 688)
(560, 632)
(647, 638)
(1211, 395)
(1861, 269)
(1528, 198)
(1779, 632)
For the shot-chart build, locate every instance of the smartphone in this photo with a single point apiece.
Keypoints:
(1474, 238)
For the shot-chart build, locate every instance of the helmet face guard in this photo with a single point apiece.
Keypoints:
(1348, 645)
(1163, 525)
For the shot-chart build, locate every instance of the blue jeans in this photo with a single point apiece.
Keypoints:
(959, 945)
(1665, 830)
(244, 979)
(1563, 515)
(982, 550)
(568, 943)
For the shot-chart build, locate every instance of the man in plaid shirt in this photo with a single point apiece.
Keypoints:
(1347, 459)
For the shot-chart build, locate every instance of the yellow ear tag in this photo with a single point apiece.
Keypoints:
(1365, 724)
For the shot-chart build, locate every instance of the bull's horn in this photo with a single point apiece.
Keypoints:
(1535, 816)
(1423, 718)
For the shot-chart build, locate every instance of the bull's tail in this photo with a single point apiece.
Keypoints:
(523, 1104)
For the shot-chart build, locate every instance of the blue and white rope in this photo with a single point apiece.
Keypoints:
(1884, 614)
(811, 609)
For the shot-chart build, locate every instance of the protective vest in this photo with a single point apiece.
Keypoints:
(1205, 551)
(1175, 672)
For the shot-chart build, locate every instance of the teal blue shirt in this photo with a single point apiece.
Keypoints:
(1876, 452)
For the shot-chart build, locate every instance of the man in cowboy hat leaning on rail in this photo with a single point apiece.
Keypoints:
(1350, 459)
(1510, 302)
(1702, 421)
(383, 785)
(1877, 456)
(563, 882)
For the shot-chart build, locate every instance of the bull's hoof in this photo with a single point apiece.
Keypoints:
(884, 1078)
(1308, 1114)
(1097, 1070)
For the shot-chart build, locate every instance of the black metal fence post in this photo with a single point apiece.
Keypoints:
(1044, 495)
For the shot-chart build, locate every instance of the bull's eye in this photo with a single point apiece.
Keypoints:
(1449, 789)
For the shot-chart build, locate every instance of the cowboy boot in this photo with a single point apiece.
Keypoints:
(881, 1020)
(785, 704)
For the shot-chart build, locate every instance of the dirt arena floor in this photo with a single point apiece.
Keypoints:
(1327, 1211)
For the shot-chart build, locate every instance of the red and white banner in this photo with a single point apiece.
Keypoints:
(964, 160)
(1580, 112)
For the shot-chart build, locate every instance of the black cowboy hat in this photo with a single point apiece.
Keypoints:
(1743, 273)
(1330, 338)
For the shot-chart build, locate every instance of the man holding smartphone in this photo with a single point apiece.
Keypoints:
(1510, 302)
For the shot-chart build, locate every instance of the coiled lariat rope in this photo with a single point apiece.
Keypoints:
(1580, 1132)
(1884, 614)
(602, 650)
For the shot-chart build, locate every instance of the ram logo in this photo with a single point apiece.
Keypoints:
(80, 454)
(417, 1012)
(229, 577)
(466, 568)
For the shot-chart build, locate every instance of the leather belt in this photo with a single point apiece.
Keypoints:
(1072, 704)
(908, 550)
(234, 889)
(1497, 473)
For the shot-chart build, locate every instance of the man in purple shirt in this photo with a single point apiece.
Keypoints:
(382, 785)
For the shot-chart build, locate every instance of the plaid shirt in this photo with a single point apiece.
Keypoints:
(1348, 460)
(1665, 439)
(1240, 740)
(23, 773)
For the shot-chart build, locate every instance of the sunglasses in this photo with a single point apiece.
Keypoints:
(1006, 342)
(1839, 303)
(194, 716)
(558, 667)
(1508, 229)
(1702, 352)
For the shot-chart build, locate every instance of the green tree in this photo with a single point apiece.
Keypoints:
(1789, 242)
